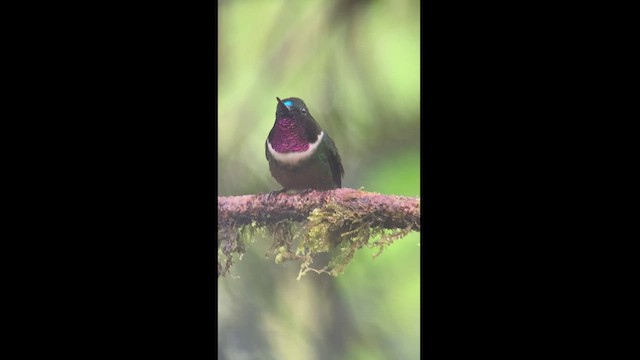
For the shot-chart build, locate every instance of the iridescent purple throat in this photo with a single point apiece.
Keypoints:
(288, 136)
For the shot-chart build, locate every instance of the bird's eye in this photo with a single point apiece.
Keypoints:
(303, 111)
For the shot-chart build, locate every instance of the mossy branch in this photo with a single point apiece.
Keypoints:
(329, 218)
(389, 211)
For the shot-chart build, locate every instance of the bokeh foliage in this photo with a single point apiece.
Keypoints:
(357, 66)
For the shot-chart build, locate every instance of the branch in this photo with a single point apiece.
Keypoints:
(343, 220)
(387, 211)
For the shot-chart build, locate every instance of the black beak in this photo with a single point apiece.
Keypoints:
(282, 109)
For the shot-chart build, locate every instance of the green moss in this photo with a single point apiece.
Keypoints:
(332, 228)
(230, 248)
(343, 231)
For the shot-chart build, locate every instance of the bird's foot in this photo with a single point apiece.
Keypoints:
(273, 194)
(305, 191)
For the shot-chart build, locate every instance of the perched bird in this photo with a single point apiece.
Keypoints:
(301, 155)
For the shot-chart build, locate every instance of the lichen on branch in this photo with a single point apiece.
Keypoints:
(339, 221)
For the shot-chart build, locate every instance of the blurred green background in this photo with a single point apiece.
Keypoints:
(356, 64)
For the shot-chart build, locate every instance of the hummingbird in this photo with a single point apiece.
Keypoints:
(302, 157)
